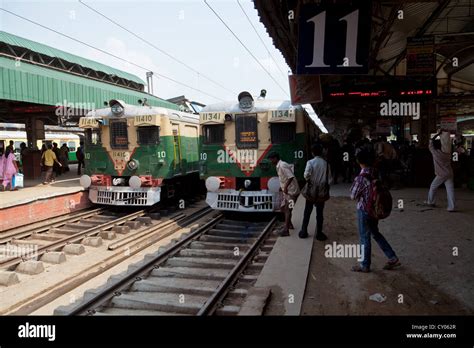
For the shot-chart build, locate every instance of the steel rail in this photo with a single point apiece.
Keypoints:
(74, 238)
(21, 232)
(107, 293)
(219, 294)
(141, 243)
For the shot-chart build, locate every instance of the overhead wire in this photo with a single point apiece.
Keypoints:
(261, 40)
(156, 47)
(110, 54)
(245, 47)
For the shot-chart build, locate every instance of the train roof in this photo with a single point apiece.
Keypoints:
(144, 110)
(260, 105)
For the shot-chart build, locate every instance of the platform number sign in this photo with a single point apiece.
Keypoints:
(334, 39)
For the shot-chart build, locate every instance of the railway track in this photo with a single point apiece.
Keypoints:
(44, 226)
(114, 253)
(208, 272)
(71, 230)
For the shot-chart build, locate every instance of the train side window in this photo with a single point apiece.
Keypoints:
(119, 135)
(246, 131)
(149, 135)
(213, 134)
(92, 137)
(283, 132)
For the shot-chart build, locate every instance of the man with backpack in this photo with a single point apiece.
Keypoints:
(373, 203)
(318, 176)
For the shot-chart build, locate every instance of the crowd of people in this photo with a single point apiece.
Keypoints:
(395, 160)
(368, 165)
(54, 162)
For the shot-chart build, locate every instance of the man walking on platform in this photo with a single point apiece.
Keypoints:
(290, 188)
(317, 175)
(48, 160)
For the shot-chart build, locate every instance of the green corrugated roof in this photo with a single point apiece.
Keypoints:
(36, 84)
(53, 52)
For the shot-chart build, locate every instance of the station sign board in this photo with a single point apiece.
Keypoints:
(449, 124)
(420, 55)
(305, 89)
(399, 87)
(334, 39)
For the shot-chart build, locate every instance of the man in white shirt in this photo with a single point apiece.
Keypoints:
(290, 188)
(443, 171)
(317, 173)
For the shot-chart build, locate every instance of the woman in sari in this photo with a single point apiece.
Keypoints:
(9, 169)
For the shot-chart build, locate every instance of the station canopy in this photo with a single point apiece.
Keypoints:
(402, 34)
(37, 79)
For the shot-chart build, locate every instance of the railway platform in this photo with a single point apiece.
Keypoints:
(433, 245)
(36, 202)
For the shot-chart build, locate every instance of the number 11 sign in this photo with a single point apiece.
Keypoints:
(334, 39)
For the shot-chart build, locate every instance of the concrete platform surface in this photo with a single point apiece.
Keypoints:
(35, 190)
(37, 202)
(286, 269)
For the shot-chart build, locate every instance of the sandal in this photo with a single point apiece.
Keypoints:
(391, 264)
(359, 268)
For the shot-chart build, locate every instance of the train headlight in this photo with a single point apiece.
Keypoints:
(117, 107)
(213, 184)
(247, 183)
(85, 181)
(135, 182)
(274, 184)
(133, 164)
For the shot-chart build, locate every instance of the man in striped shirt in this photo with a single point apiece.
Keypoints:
(368, 226)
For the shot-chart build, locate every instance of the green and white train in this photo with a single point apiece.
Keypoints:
(236, 139)
(135, 155)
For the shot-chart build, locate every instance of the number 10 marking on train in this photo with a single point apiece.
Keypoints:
(352, 20)
(299, 154)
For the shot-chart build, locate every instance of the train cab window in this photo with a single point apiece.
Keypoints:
(92, 137)
(246, 131)
(118, 135)
(71, 145)
(213, 134)
(283, 132)
(149, 135)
